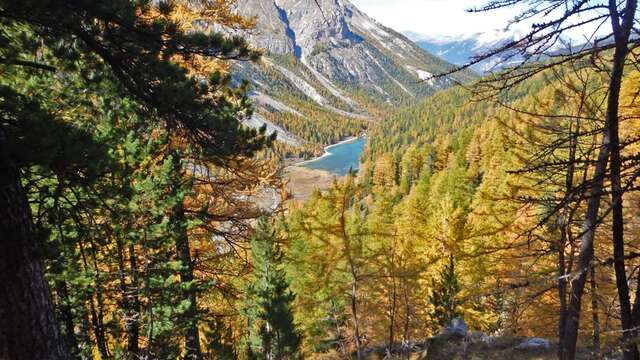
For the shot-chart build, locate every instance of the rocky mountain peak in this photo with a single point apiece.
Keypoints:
(334, 56)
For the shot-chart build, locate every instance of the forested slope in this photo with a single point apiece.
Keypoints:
(454, 214)
(141, 219)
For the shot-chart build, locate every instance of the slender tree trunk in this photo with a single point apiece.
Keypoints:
(67, 317)
(338, 329)
(146, 285)
(621, 33)
(392, 313)
(133, 317)
(28, 325)
(98, 329)
(354, 313)
(594, 314)
(96, 316)
(183, 253)
(127, 294)
(393, 301)
(562, 296)
(347, 248)
(84, 333)
(586, 253)
(564, 223)
(407, 315)
(101, 337)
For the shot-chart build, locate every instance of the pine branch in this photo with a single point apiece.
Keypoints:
(26, 63)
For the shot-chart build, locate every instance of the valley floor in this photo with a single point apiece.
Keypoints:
(301, 181)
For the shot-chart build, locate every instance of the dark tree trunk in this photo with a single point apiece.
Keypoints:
(392, 312)
(84, 333)
(183, 253)
(393, 301)
(98, 329)
(28, 325)
(129, 298)
(586, 253)
(407, 312)
(562, 296)
(594, 313)
(621, 33)
(96, 313)
(192, 338)
(133, 324)
(564, 223)
(67, 318)
(354, 313)
(610, 142)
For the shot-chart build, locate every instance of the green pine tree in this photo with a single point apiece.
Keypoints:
(268, 306)
(444, 296)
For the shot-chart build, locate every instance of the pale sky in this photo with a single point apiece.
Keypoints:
(442, 18)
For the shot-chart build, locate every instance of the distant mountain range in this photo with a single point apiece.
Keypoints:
(460, 51)
(331, 59)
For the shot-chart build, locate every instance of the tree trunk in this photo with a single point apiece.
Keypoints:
(586, 253)
(392, 312)
(564, 223)
(407, 313)
(28, 325)
(67, 318)
(562, 296)
(129, 298)
(192, 338)
(133, 325)
(393, 301)
(183, 253)
(594, 314)
(98, 329)
(621, 33)
(354, 312)
(97, 314)
(84, 333)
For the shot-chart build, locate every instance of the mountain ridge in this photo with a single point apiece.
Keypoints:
(333, 59)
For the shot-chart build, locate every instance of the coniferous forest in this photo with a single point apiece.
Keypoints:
(495, 217)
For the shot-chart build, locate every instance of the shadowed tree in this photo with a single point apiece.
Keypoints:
(140, 45)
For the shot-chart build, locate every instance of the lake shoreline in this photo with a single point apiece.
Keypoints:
(326, 151)
(302, 180)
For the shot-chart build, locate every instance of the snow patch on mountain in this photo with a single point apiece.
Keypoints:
(422, 74)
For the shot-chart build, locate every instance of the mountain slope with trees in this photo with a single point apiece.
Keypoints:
(328, 63)
(133, 219)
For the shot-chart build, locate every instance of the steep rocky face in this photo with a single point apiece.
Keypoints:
(333, 57)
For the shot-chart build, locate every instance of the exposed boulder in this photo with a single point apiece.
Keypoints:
(534, 344)
(458, 328)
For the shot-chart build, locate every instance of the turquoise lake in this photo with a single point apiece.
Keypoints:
(340, 157)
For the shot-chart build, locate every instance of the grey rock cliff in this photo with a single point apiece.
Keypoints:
(335, 57)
